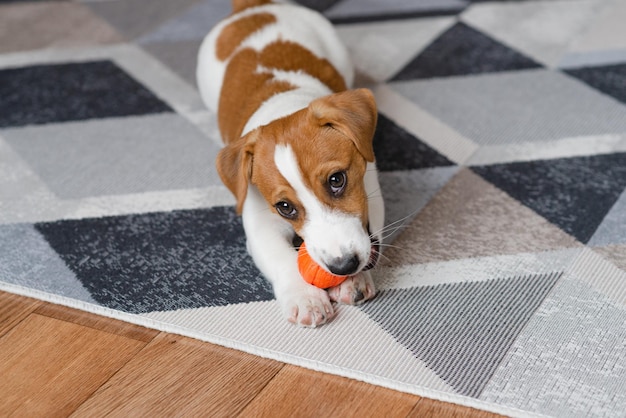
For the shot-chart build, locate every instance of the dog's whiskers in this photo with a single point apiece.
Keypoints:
(380, 255)
(389, 229)
(391, 246)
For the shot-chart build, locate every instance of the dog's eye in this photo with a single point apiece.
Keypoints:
(286, 209)
(337, 183)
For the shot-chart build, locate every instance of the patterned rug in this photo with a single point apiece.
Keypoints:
(502, 149)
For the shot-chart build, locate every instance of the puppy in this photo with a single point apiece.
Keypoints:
(298, 152)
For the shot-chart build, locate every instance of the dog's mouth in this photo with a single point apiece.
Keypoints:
(374, 251)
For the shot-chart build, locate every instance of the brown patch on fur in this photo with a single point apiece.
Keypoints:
(289, 56)
(244, 89)
(321, 147)
(327, 153)
(322, 150)
(236, 32)
(243, 92)
(234, 165)
(268, 180)
(333, 134)
(353, 113)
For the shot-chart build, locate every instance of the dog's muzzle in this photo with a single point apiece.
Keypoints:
(374, 251)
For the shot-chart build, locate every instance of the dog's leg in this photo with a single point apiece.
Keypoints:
(270, 245)
(354, 290)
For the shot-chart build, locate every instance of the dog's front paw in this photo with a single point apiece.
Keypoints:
(354, 290)
(307, 306)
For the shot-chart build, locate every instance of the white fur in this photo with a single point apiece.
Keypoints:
(329, 234)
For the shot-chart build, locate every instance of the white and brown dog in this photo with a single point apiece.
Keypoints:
(298, 156)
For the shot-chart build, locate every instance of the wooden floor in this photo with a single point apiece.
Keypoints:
(56, 361)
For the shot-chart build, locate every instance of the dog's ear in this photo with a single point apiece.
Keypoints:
(234, 165)
(351, 112)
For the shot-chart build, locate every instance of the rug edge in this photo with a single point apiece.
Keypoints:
(138, 319)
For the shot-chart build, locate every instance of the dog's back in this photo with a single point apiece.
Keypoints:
(265, 49)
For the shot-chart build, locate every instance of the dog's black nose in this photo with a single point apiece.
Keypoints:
(344, 266)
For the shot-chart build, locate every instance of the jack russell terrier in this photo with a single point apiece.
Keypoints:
(298, 152)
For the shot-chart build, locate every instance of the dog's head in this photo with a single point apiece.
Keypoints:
(310, 168)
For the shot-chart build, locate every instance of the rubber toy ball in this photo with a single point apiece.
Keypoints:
(313, 273)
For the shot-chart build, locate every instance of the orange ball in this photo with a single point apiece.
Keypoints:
(313, 273)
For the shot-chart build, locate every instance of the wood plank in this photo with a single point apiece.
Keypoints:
(50, 367)
(13, 309)
(98, 322)
(32, 380)
(304, 393)
(432, 408)
(180, 376)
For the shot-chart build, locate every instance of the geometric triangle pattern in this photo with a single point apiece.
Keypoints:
(609, 79)
(571, 309)
(463, 330)
(73, 159)
(157, 261)
(462, 50)
(38, 94)
(124, 16)
(356, 11)
(573, 193)
(397, 149)
(529, 27)
(22, 253)
(501, 148)
(524, 107)
(616, 254)
(612, 231)
(470, 218)
(396, 43)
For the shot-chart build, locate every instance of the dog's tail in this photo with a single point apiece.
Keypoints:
(239, 5)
